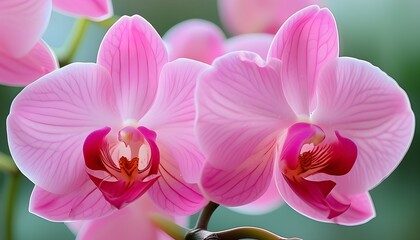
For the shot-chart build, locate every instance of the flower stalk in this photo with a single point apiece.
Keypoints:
(172, 229)
(14, 180)
(200, 232)
(7, 164)
(67, 54)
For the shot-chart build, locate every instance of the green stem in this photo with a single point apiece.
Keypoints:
(169, 227)
(108, 22)
(7, 164)
(11, 204)
(249, 232)
(67, 55)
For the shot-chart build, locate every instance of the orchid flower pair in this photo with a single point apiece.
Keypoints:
(97, 137)
(20, 45)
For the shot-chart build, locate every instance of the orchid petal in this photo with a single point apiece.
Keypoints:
(361, 210)
(50, 119)
(360, 207)
(240, 103)
(134, 54)
(268, 202)
(97, 10)
(305, 43)
(171, 193)
(195, 39)
(257, 43)
(129, 223)
(367, 106)
(22, 71)
(22, 22)
(86, 202)
(244, 183)
(250, 16)
(172, 115)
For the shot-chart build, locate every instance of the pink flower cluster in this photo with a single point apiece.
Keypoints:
(275, 117)
(23, 56)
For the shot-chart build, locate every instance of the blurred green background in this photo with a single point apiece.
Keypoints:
(383, 32)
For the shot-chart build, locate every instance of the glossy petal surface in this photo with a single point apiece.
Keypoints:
(367, 106)
(257, 43)
(267, 203)
(134, 54)
(240, 107)
(24, 70)
(252, 16)
(171, 193)
(22, 22)
(97, 10)
(49, 121)
(246, 182)
(240, 103)
(195, 39)
(305, 43)
(130, 223)
(172, 115)
(87, 202)
(360, 207)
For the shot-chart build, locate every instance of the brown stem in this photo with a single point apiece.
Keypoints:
(204, 218)
(249, 232)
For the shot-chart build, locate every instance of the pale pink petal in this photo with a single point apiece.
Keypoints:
(50, 119)
(305, 43)
(367, 106)
(360, 211)
(195, 39)
(251, 16)
(241, 114)
(22, 22)
(129, 223)
(172, 115)
(86, 202)
(134, 54)
(171, 193)
(240, 103)
(268, 202)
(97, 10)
(247, 181)
(257, 43)
(24, 70)
(76, 226)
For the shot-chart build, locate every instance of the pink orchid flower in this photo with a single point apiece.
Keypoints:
(130, 223)
(204, 41)
(96, 137)
(96, 10)
(254, 16)
(328, 128)
(23, 56)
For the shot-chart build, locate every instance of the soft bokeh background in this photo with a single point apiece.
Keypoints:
(383, 32)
